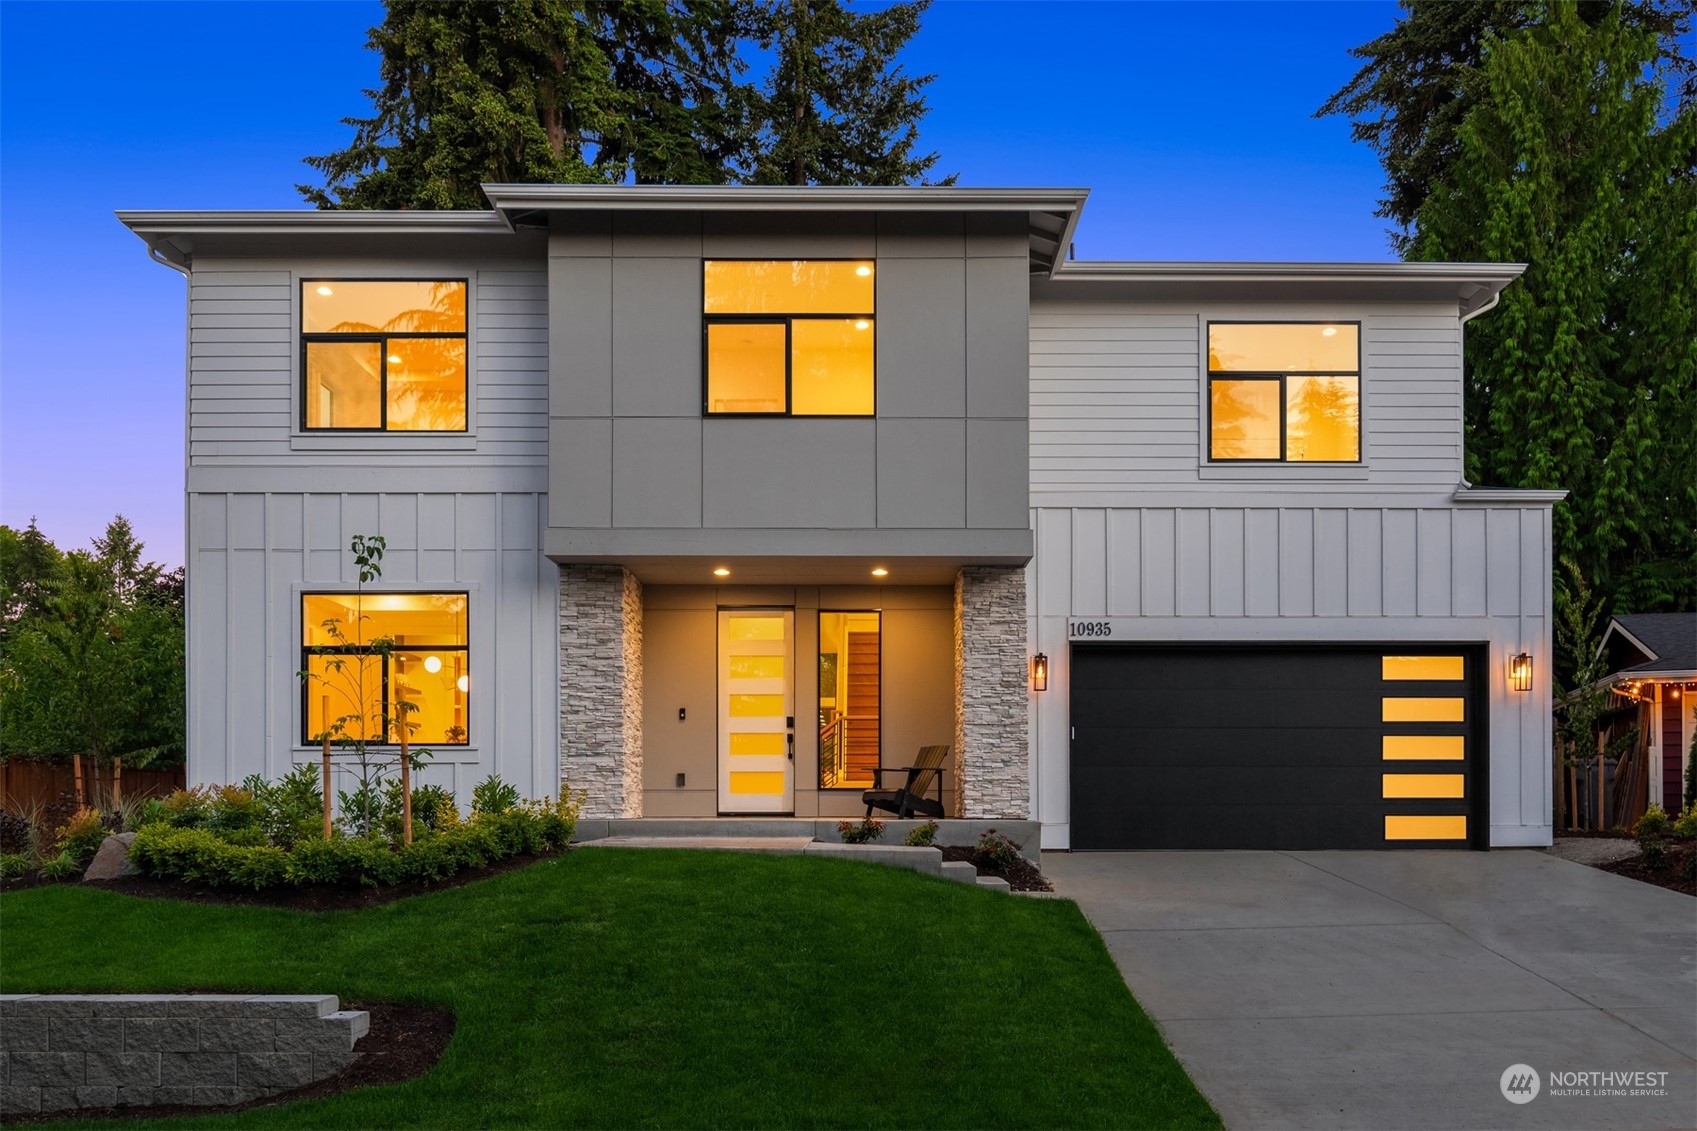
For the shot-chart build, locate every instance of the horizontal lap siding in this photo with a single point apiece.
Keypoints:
(1117, 399)
(244, 344)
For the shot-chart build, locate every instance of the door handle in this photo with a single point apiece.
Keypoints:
(790, 737)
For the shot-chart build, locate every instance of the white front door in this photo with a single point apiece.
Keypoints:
(756, 711)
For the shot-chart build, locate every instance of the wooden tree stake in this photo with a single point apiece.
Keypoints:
(326, 717)
(76, 772)
(406, 785)
(117, 783)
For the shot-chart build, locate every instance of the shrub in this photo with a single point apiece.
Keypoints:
(1653, 823)
(202, 856)
(14, 865)
(16, 832)
(923, 836)
(995, 850)
(291, 808)
(865, 832)
(61, 868)
(493, 795)
(1685, 825)
(80, 837)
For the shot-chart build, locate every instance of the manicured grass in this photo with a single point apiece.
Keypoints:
(638, 988)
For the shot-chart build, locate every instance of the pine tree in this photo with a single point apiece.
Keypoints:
(837, 109)
(1585, 378)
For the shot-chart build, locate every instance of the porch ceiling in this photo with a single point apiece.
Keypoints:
(793, 570)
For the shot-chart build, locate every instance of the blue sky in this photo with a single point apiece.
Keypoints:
(1192, 124)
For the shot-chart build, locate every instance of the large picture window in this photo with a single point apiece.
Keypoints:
(850, 693)
(383, 355)
(1284, 391)
(365, 653)
(788, 337)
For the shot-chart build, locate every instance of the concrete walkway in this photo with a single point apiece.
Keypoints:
(1394, 989)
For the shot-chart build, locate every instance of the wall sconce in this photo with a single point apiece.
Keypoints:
(1520, 671)
(1040, 672)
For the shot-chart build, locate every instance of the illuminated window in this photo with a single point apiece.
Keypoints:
(850, 692)
(368, 654)
(383, 355)
(788, 337)
(1284, 391)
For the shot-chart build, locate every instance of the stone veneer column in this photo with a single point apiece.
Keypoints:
(992, 760)
(601, 688)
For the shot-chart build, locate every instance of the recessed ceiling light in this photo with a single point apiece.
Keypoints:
(394, 359)
(326, 291)
(862, 324)
(1330, 332)
(863, 270)
(721, 572)
(880, 572)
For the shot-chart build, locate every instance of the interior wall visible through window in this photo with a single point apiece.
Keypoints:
(850, 698)
(788, 337)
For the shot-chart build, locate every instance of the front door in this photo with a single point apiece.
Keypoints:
(756, 711)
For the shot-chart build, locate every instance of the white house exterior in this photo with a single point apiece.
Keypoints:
(1224, 503)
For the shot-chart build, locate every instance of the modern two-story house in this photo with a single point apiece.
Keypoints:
(714, 501)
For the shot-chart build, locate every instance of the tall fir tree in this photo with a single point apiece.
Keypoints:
(837, 109)
(1419, 81)
(541, 91)
(1585, 378)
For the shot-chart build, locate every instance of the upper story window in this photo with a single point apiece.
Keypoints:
(383, 355)
(1284, 391)
(788, 337)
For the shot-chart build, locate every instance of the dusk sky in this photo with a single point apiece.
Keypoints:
(1191, 124)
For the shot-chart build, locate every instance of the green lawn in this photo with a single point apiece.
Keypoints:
(636, 988)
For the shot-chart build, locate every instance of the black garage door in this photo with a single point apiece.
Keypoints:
(1285, 748)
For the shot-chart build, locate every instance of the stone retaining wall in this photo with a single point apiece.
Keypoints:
(60, 1051)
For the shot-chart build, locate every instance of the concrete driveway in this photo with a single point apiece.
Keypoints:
(1394, 989)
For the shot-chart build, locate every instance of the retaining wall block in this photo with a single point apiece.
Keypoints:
(23, 1034)
(274, 1070)
(161, 1034)
(238, 1034)
(84, 1034)
(19, 1099)
(291, 1005)
(197, 1070)
(124, 1069)
(45, 1069)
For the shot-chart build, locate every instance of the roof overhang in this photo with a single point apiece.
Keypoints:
(174, 237)
(1472, 286)
(1051, 214)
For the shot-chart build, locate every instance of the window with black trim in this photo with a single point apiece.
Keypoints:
(850, 693)
(383, 355)
(788, 337)
(371, 658)
(1284, 392)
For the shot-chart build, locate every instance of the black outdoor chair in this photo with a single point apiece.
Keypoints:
(910, 798)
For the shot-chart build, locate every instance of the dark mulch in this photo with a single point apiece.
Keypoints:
(297, 899)
(1021, 875)
(404, 1043)
(1676, 875)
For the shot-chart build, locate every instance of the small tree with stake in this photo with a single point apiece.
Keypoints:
(347, 673)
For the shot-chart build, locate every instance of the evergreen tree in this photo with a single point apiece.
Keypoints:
(541, 91)
(1585, 377)
(1421, 78)
(836, 108)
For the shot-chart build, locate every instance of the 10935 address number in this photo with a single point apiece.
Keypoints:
(1090, 628)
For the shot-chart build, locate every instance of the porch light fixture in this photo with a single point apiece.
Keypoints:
(880, 572)
(1520, 671)
(721, 572)
(1040, 672)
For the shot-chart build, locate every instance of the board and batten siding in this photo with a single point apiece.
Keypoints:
(1118, 400)
(271, 512)
(255, 554)
(1128, 523)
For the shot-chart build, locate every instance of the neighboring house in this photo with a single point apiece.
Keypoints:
(1651, 661)
(712, 500)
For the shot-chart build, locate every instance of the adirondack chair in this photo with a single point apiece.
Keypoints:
(910, 797)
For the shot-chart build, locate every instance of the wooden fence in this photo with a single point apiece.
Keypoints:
(27, 784)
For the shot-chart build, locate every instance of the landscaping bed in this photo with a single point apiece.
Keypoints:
(1020, 873)
(1676, 875)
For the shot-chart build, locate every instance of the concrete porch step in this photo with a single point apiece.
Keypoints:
(950, 831)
